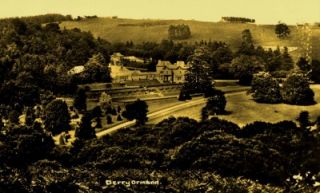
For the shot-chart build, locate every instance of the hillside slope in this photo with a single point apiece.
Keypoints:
(122, 30)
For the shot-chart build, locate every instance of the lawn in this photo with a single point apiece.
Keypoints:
(244, 110)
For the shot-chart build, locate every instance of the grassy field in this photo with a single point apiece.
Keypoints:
(244, 110)
(122, 30)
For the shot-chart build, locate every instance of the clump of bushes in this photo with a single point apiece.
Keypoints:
(216, 103)
(295, 89)
(265, 88)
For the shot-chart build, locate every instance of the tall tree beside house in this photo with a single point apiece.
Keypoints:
(57, 117)
(198, 78)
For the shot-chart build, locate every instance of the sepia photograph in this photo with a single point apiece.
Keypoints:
(159, 96)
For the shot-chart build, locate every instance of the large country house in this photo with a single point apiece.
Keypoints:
(166, 72)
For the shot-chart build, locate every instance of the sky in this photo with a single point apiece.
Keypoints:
(263, 11)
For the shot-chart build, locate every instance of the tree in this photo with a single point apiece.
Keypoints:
(179, 32)
(85, 130)
(247, 47)
(204, 114)
(137, 110)
(318, 123)
(21, 90)
(315, 71)
(296, 90)
(96, 70)
(57, 117)
(14, 117)
(197, 77)
(98, 121)
(219, 57)
(244, 67)
(282, 30)
(119, 109)
(216, 103)
(247, 37)
(184, 94)
(80, 100)
(30, 116)
(265, 88)
(304, 65)
(286, 60)
(274, 60)
(303, 119)
(24, 145)
(109, 119)
(119, 118)
(52, 27)
(96, 112)
(19, 26)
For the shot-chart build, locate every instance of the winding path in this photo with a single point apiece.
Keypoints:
(164, 112)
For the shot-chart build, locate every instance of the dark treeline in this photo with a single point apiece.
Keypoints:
(238, 19)
(47, 18)
(36, 58)
(79, 18)
(262, 152)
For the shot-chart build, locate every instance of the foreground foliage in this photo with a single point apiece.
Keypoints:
(182, 154)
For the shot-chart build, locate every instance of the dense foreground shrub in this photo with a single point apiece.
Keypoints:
(183, 154)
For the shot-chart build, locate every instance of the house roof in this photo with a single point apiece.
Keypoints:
(168, 65)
